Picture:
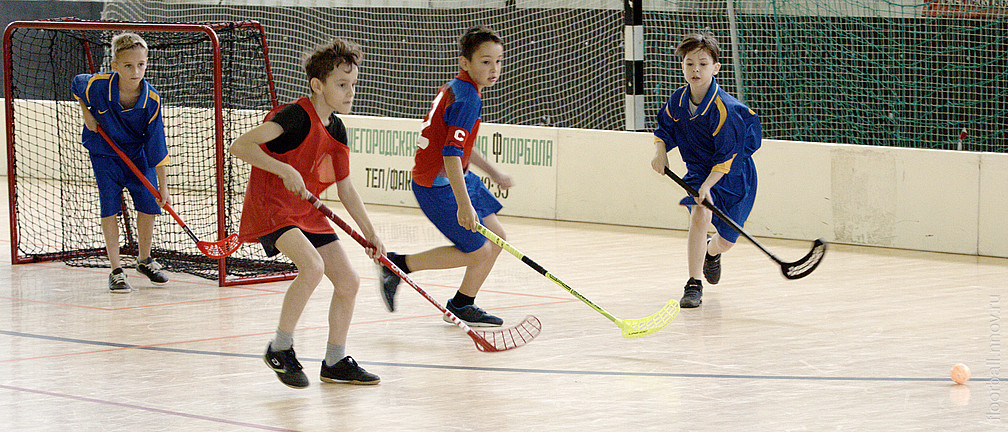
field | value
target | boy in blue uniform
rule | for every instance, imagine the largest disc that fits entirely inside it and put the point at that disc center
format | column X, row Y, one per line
column 451, row 196
column 716, row 135
column 129, row 110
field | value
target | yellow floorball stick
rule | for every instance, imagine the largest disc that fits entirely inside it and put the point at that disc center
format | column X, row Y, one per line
column 633, row 328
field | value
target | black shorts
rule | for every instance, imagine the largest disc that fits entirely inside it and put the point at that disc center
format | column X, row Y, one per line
column 268, row 241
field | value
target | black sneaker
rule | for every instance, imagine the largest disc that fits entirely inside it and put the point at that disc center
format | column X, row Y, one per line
column 349, row 372
column 152, row 269
column 117, row 282
column 389, row 285
column 691, row 294
column 712, row 268
column 286, row 366
column 473, row 316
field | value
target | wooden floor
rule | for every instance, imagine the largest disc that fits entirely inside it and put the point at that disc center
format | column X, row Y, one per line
column 864, row 344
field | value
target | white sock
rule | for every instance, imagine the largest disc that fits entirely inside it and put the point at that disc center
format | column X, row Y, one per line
column 282, row 341
column 334, row 353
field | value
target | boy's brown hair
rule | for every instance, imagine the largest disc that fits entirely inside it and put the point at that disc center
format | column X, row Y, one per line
column 702, row 39
column 321, row 61
column 474, row 37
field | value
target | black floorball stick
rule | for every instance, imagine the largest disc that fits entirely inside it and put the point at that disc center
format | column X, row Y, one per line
column 791, row 270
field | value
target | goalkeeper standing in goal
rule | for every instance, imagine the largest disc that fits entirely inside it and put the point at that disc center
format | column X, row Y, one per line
column 716, row 135
column 301, row 146
column 451, row 196
column 129, row 110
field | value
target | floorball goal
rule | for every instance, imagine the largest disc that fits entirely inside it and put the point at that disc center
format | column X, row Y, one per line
column 215, row 84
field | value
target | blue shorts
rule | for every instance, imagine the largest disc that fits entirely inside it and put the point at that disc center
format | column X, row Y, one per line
column 734, row 195
column 112, row 175
column 438, row 203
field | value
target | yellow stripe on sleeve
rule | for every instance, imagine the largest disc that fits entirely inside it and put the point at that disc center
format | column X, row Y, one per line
column 723, row 115
column 724, row 167
column 87, row 90
column 157, row 99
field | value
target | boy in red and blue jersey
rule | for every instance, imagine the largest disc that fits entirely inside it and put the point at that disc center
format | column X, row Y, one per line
column 128, row 108
column 716, row 135
column 453, row 198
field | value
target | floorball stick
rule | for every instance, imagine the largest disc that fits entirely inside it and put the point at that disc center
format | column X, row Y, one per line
column 501, row 339
column 633, row 328
column 219, row 249
column 791, row 270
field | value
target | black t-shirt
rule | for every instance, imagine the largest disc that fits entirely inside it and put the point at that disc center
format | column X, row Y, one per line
column 296, row 123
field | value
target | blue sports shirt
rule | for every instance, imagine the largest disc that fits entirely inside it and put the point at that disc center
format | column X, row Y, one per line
column 721, row 130
column 138, row 130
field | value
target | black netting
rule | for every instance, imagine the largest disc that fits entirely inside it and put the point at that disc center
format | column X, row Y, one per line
column 55, row 196
column 563, row 66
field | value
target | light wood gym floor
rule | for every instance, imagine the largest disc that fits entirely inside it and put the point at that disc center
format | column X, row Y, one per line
column 865, row 343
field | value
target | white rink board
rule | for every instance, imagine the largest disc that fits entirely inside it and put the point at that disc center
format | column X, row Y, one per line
column 382, row 151
column 929, row 200
column 993, row 211
column 941, row 201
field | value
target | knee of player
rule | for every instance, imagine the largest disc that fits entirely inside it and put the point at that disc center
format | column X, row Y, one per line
column 488, row 251
column 501, row 233
column 723, row 244
column 345, row 283
column 699, row 222
column 311, row 270
column 702, row 215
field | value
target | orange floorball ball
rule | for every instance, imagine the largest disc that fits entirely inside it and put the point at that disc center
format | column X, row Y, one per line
column 960, row 373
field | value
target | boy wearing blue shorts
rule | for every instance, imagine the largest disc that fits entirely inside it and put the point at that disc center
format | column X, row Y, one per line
column 128, row 108
column 451, row 196
column 716, row 135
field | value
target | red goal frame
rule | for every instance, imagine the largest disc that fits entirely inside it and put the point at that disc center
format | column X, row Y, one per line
column 75, row 24
column 969, row 9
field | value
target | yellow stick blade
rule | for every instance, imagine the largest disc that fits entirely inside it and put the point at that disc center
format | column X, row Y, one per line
column 636, row 328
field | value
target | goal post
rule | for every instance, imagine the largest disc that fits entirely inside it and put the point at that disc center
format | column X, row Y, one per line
column 215, row 83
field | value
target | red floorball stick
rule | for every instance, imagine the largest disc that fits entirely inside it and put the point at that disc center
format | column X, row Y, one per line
column 501, row 339
column 218, row 249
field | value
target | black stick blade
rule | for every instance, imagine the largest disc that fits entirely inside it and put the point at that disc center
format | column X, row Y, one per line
column 809, row 262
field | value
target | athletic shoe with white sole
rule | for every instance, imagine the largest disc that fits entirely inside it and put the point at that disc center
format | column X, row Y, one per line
column 473, row 316
column 388, row 285
column 152, row 269
column 117, row 282
column 691, row 294
column 347, row 371
column 712, row 268
column 286, row 366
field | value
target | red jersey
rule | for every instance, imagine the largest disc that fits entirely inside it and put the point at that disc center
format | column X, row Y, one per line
column 449, row 129
column 320, row 159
